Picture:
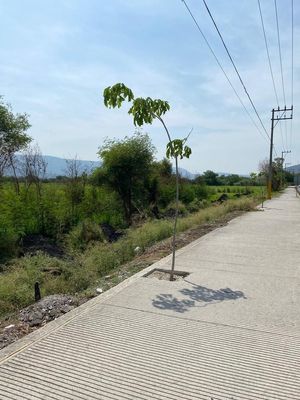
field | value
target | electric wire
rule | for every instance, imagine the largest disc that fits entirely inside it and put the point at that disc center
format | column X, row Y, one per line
column 292, row 71
column 270, row 66
column 222, row 69
column 279, row 49
column 235, row 68
column 268, row 53
column 281, row 68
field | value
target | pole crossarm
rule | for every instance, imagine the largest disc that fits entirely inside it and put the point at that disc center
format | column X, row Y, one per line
column 283, row 115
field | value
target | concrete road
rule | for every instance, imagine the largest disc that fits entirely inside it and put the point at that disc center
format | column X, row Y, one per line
column 229, row 330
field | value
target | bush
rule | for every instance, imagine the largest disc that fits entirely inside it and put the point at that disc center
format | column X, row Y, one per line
column 8, row 243
column 186, row 193
column 167, row 194
column 171, row 209
column 201, row 192
column 84, row 233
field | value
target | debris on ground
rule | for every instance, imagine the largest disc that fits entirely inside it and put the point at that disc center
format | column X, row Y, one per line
column 35, row 316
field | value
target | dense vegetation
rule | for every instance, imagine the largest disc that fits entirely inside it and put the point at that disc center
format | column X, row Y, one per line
column 77, row 271
column 55, row 231
column 70, row 211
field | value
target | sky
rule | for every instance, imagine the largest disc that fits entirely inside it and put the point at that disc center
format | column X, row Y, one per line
column 56, row 57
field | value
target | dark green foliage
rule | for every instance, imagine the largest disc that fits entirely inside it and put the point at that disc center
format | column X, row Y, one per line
column 280, row 177
column 83, row 234
column 211, row 178
column 13, row 129
column 187, row 193
column 115, row 95
column 13, row 136
column 201, row 191
column 126, row 170
column 176, row 148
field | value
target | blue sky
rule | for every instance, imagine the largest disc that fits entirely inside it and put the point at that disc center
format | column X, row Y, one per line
column 57, row 57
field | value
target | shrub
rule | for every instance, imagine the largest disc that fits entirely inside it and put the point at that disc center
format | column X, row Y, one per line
column 85, row 232
column 201, row 192
column 186, row 194
column 8, row 243
column 171, row 209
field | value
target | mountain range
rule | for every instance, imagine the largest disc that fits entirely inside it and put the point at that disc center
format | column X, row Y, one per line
column 57, row 166
column 294, row 169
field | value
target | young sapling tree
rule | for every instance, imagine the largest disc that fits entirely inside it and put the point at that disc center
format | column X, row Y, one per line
column 145, row 111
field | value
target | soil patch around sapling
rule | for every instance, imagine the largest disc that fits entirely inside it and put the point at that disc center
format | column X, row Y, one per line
column 164, row 275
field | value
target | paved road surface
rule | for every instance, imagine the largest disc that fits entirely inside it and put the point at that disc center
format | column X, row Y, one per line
column 230, row 330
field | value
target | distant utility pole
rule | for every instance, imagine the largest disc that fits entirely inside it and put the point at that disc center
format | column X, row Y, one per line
column 278, row 118
column 282, row 161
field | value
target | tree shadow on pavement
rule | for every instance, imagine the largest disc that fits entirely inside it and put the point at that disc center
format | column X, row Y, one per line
column 195, row 296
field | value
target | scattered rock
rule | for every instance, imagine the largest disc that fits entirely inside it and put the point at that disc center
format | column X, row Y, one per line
column 47, row 309
column 137, row 250
column 9, row 328
column 99, row 290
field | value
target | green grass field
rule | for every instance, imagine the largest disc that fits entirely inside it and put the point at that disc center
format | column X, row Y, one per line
column 82, row 270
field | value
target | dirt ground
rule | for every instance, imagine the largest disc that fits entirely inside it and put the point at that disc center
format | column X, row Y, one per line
column 16, row 326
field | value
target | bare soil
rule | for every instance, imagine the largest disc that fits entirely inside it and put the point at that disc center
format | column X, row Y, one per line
column 31, row 244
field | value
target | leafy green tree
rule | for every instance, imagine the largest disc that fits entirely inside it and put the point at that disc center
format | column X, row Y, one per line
column 211, row 178
column 13, row 137
column 163, row 168
column 126, row 168
column 277, row 172
column 145, row 111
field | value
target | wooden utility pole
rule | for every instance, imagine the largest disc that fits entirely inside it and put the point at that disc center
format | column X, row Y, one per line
column 271, row 158
column 277, row 119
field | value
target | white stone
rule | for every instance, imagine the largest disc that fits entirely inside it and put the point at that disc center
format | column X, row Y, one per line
column 99, row 290
column 9, row 327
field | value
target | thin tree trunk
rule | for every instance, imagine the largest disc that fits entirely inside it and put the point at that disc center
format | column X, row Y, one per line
column 175, row 221
column 17, row 186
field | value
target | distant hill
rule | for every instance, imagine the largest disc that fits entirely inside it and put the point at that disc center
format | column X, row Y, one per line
column 185, row 173
column 57, row 166
column 294, row 169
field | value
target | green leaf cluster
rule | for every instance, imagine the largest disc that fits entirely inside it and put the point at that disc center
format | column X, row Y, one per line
column 13, row 129
column 144, row 111
column 115, row 95
column 176, row 148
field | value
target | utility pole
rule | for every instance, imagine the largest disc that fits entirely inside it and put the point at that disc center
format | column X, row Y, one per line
column 277, row 119
column 282, row 158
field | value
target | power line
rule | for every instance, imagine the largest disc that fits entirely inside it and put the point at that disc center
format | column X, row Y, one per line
column 292, row 80
column 236, row 70
column 222, row 69
column 268, row 54
column 270, row 66
column 279, row 48
column 292, row 83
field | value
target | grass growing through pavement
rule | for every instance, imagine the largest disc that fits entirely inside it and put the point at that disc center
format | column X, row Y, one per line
column 84, row 270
